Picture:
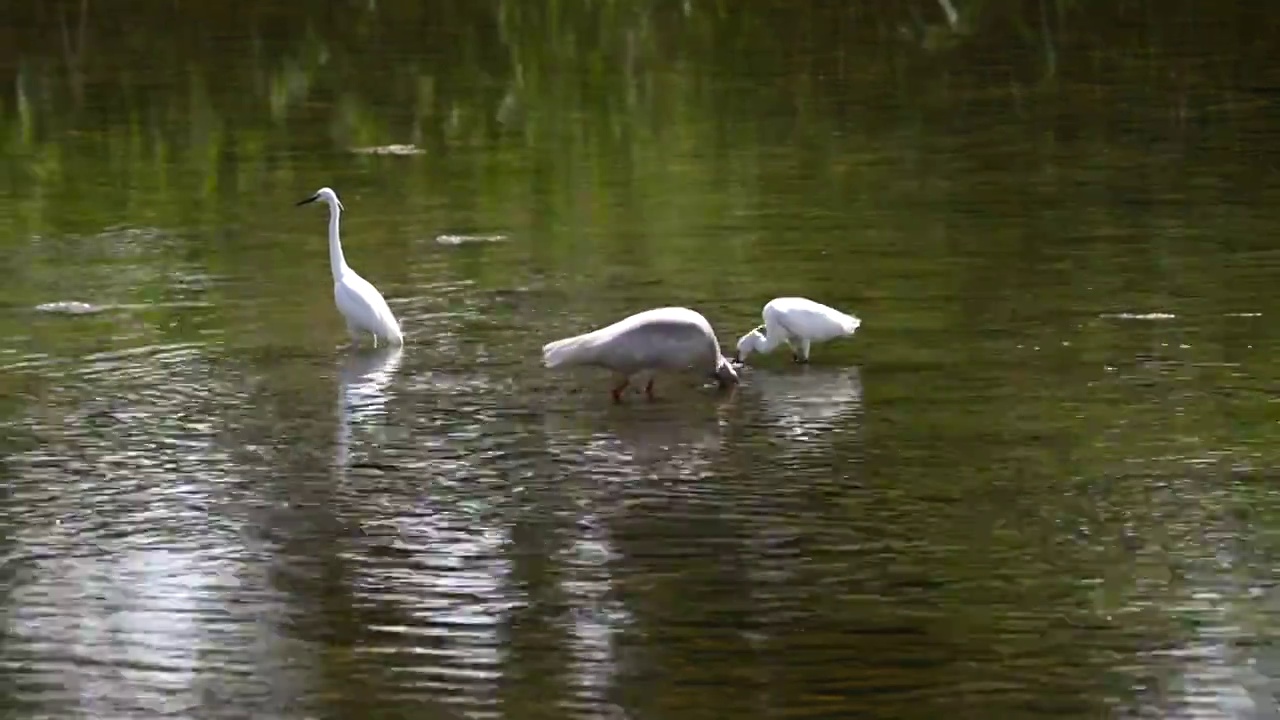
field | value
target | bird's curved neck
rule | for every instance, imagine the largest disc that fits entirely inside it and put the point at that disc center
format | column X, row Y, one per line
column 337, row 262
column 765, row 343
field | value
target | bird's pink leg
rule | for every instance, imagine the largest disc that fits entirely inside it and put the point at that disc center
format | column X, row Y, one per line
column 617, row 390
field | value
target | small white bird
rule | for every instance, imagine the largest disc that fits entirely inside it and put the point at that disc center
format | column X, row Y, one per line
column 798, row 322
column 359, row 301
column 670, row 339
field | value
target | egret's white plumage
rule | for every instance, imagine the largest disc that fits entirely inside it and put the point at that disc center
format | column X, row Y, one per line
column 671, row 339
column 360, row 303
column 798, row 322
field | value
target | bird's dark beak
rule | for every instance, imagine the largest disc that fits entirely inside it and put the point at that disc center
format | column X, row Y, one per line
column 308, row 200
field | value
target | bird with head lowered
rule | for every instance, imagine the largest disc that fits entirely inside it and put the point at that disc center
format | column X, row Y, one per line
column 667, row 339
column 798, row 322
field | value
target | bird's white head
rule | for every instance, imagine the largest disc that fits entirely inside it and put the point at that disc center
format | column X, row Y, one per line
column 749, row 343
column 325, row 195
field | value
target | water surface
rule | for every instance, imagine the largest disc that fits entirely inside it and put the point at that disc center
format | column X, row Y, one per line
column 1038, row 483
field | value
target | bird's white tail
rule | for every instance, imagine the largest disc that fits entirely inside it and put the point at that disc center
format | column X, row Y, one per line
column 568, row 351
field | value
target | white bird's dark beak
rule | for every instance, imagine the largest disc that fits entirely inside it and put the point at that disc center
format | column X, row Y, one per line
column 308, row 200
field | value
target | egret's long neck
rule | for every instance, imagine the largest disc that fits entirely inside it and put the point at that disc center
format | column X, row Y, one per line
column 337, row 262
column 766, row 343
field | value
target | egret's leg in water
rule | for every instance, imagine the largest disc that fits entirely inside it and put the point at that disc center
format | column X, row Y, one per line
column 617, row 390
column 795, row 350
column 648, row 389
column 375, row 339
column 802, row 354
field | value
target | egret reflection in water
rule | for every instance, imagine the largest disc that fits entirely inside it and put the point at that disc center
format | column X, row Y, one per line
column 362, row 398
column 670, row 438
column 803, row 403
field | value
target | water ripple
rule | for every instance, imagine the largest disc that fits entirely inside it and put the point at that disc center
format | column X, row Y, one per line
column 444, row 575
column 130, row 582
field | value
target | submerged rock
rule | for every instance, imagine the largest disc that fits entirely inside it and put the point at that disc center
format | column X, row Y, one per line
column 389, row 150
column 69, row 307
column 463, row 239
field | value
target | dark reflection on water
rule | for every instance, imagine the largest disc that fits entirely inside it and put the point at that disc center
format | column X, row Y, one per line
column 195, row 530
column 168, row 553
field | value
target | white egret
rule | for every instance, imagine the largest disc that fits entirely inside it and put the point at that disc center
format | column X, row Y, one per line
column 669, row 339
column 360, row 303
column 798, row 322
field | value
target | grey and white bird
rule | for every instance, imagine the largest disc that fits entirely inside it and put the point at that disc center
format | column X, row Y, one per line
column 669, row 339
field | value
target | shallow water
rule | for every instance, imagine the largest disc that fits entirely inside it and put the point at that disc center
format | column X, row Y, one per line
column 1037, row 483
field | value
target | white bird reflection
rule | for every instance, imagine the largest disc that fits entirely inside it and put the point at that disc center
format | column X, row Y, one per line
column 437, row 564
column 596, row 618
column 362, row 396
column 616, row 463
column 807, row 402
column 670, row 439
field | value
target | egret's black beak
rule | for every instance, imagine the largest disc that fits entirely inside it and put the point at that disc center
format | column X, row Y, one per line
column 311, row 199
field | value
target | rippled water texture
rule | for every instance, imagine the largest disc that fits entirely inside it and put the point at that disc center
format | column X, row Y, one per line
column 1038, row 482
